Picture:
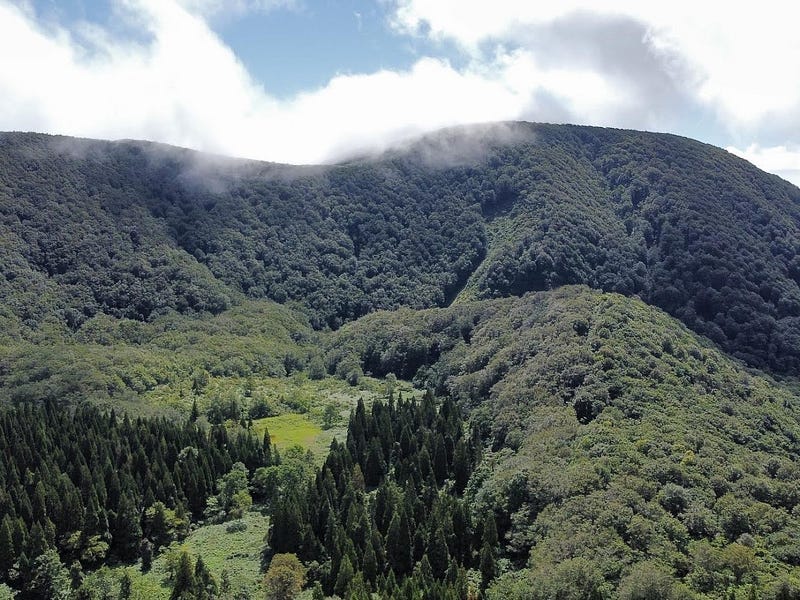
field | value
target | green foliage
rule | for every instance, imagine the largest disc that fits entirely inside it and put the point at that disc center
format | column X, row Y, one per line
column 233, row 498
column 611, row 450
column 184, row 580
column 572, row 579
column 232, row 558
column 49, row 577
column 649, row 582
column 174, row 359
column 330, row 416
column 377, row 509
column 604, row 442
column 136, row 231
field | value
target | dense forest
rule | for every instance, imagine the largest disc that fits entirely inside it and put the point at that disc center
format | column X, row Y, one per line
column 84, row 488
column 597, row 333
column 385, row 513
column 622, row 452
column 136, row 230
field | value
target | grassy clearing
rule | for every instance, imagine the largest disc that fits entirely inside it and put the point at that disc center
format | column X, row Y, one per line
column 306, row 429
column 237, row 552
column 289, row 430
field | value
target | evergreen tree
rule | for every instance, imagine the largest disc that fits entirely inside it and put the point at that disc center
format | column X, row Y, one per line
column 37, row 544
column 266, row 446
column 370, row 563
column 461, row 470
column 358, row 589
column 440, row 468
column 195, row 412
column 344, row 577
column 488, row 564
column 185, row 583
column 489, row 537
column 438, row 554
column 146, row 554
column 286, row 525
column 206, row 585
column 7, row 552
column 125, row 586
column 398, row 544
column 375, row 466
column 127, row 534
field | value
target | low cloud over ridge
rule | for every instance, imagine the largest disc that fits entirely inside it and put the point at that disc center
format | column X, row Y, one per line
column 727, row 75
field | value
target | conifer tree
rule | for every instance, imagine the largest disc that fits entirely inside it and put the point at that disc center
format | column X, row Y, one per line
column 125, row 586
column 266, row 446
column 7, row 551
column 438, row 554
column 195, row 412
column 286, row 529
column 370, row 563
column 127, row 533
column 461, row 470
column 146, row 554
column 37, row 543
column 488, row 565
column 185, row 583
column 440, row 468
column 375, row 466
column 205, row 584
column 398, row 544
column 344, row 577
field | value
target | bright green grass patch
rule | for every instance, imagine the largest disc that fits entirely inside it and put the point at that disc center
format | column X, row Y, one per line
column 289, row 430
column 306, row 430
column 237, row 552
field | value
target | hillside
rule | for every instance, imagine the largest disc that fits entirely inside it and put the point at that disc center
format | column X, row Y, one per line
column 622, row 447
column 135, row 230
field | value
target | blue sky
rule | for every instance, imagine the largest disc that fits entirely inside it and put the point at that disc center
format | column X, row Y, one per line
column 316, row 80
column 289, row 47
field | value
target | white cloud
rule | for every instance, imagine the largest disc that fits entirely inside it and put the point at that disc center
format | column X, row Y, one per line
column 745, row 55
column 184, row 86
column 733, row 71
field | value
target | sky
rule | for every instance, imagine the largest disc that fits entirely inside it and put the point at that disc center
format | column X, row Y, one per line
column 310, row 81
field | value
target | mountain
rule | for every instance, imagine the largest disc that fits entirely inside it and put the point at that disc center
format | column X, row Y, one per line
column 607, row 324
column 135, row 230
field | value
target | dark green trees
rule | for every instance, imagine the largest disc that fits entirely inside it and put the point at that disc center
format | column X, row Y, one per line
column 95, row 487
column 401, row 527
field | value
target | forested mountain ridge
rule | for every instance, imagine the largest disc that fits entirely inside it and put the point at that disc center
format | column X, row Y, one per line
column 601, row 207
column 135, row 230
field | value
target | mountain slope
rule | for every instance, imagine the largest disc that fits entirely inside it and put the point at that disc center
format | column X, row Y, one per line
column 618, row 438
column 135, row 230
